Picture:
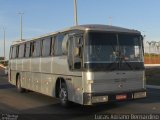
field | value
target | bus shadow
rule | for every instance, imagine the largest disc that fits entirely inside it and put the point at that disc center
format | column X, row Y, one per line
column 153, row 96
column 6, row 86
column 73, row 112
column 149, row 99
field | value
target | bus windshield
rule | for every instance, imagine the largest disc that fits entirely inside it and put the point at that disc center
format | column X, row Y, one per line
column 111, row 47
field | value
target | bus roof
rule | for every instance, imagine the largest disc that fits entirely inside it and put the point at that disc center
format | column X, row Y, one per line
column 94, row 27
column 109, row 28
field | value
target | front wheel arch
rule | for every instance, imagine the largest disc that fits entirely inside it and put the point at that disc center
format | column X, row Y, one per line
column 61, row 88
column 57, row 86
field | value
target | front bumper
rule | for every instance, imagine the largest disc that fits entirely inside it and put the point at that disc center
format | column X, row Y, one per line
column 93, row 98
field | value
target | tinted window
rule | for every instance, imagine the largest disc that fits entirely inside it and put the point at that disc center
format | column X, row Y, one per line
column 99, row 38
column 58, row 44
column 52, row 46
column 36, row 49
column 129, row 40
column 14, row 52
column 27, row 54
column 21, row 51
column 17, row 51
column 46, row 47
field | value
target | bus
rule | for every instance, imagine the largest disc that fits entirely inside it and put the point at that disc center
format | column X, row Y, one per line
column 84, row 64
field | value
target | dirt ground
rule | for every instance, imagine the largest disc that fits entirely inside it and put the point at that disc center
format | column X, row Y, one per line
column 153, row 76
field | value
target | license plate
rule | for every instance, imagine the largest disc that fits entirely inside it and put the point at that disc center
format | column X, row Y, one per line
column 121, row 97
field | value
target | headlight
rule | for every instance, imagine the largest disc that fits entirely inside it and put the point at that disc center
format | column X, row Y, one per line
column 139, row 95
column 90, row 81
column 97, row 99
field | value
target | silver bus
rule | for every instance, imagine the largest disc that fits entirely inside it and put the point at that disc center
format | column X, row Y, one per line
column 85, row 64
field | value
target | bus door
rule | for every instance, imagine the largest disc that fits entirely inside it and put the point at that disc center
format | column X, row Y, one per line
column 75, row 44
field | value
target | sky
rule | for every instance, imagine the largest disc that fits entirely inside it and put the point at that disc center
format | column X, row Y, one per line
column 45, row 16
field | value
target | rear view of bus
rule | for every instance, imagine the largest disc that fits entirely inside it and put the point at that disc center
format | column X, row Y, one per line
column 114, row 66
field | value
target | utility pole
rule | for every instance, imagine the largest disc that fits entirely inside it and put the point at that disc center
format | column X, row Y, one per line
column 21, row 30
column 4, row 38
column 75, row 13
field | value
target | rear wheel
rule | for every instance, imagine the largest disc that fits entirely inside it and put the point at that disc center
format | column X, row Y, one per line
column 19, row 88
column 63, row 95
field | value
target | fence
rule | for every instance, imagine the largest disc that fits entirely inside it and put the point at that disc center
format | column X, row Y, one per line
column 152, row 52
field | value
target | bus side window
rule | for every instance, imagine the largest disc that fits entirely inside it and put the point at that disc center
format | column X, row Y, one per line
column 21, row 51
column 27, row 50
column 53, row 45
column 17, row 51
column 46, row 47
column 31, row 49
column 14, row 52
column 58, row 45
column 35, row 48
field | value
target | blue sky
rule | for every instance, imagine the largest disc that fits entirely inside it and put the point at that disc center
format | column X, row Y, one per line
column 45, row 16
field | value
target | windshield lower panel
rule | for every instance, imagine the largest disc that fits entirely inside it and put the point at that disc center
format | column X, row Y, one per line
column 114, row 51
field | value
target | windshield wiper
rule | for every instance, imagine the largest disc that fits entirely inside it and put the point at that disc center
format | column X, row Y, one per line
column 110, row 65
column 123, row 59
column 115, row 62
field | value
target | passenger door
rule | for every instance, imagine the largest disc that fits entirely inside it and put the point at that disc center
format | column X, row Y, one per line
column 75, row 52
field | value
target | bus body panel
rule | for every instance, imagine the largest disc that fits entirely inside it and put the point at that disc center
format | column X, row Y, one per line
column 13, row 64
column 43, row 80
column 117, row 81
column 19, row 64
column 13, row 77
column 35, row 65
column 46, row 65
column 27, row 65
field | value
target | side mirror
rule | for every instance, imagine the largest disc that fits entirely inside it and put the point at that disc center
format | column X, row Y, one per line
column 76, row 52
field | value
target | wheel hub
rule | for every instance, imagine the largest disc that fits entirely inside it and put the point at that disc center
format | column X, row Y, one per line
column 63, row 94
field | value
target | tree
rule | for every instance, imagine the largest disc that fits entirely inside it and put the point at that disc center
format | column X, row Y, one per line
column 1, row 58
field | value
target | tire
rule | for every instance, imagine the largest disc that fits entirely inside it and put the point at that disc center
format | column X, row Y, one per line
column 63, row 95
column 19, row 88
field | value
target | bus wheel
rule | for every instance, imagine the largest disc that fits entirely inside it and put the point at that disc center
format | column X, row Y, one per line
column 63, row 95
column 19, row 88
